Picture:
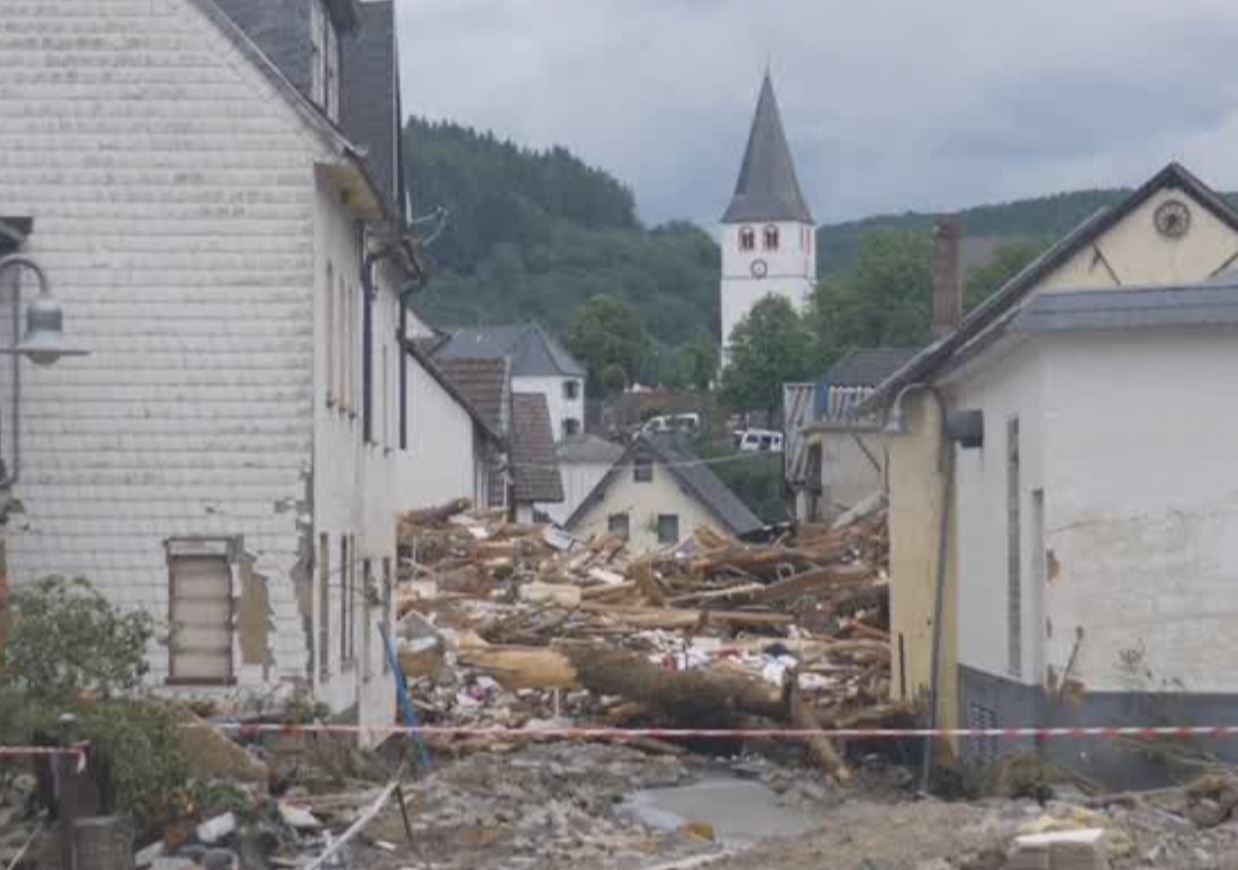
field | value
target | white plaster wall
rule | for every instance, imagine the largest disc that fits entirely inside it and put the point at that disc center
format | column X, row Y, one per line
column 1134, row 252
column 172, row 190
column 1143, row 509
column 1010, row 386
column 561, row 408
column 791, row 270
column 440, row 464
column 579, row 479
column 643, row 502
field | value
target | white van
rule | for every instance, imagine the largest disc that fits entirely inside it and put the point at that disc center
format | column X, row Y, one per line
column 758, row 441
column 689, row 423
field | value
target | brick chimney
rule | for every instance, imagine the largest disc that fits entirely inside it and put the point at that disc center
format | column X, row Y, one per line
column 947, row 287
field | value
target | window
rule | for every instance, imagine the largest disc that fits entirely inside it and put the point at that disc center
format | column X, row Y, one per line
column 571, row 389
column 331, row 337
column 668, row 528
column 343, row 357
column 324, row 78
column 617, row 525
column 324, row 607
column 771, row 238
column 387, row 589
column 346, row 592
column 386, row 400
column 200, row 613
column 642, row 471
column 404, row 377
column 747, row 239
column 367, row 366
column 571, row 426
column 1014, row 553
column 367, row 600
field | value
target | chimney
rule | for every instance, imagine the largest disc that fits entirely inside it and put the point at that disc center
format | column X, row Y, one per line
column 947, row 288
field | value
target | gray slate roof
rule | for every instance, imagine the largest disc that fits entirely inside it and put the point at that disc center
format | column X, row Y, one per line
column 1140, row 308
column 281, row 30
column 369, row 92
column 1000, row 305
column 535, row 471
column 868, row 366
column 588, row 448
column 767, row 189
column 532, row 350
column 484, row 383
column 693, row 475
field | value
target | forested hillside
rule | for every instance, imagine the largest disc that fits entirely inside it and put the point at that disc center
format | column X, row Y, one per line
column 535, row 234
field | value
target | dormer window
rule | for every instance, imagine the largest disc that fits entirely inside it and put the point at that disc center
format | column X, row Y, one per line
column 325, row 76
column 771, row 238
column 747, row 239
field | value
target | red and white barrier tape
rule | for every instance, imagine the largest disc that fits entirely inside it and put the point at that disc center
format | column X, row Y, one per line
column 1144, row 731
column 45, row 752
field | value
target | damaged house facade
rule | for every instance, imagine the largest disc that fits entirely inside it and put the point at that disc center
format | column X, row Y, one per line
column 1062, row 513
column 214, row 188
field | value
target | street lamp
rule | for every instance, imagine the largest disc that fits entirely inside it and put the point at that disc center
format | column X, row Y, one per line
column 44, row 342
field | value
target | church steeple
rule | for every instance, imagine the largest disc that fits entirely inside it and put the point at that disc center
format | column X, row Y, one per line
column 767, row 189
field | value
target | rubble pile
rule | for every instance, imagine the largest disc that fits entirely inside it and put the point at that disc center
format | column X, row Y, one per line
column 503, row 624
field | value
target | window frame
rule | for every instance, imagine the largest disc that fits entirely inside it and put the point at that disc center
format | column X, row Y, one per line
column 225, row 549
column 671, row 518
column 770, row 237
column 747, row 238
column 614, row 519
column 642, row 469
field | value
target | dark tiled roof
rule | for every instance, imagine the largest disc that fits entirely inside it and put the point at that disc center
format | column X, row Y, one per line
column 369, row 102
column 937, row 354
column 531, row 349
column 695, row 477
column 535, row 471
column 281, row 30
column 1141, row 308
column 483, row 382
column 867, row 367
column 767, row 189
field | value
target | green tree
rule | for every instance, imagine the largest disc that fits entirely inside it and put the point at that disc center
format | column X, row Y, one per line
column 606, row 332
column 884, row 299
column 984, row 280
column 770, row 346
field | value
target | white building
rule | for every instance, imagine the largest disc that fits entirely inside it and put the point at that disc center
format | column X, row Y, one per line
column 233, row 454
column 538, row 364
column 767, row 234
column 583, row 462
column 656, row 494
column 1090, row 550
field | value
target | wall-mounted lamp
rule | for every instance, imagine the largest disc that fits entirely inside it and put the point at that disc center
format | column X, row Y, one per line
column 44, row 341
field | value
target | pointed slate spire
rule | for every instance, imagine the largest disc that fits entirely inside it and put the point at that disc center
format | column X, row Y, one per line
column 767, row 189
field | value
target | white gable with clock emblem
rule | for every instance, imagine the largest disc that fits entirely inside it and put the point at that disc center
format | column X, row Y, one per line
column 1173, row 230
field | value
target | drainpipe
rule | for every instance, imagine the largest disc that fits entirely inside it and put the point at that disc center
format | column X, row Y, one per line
column 896, row 425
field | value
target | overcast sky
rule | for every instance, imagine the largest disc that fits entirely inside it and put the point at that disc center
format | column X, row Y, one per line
column 889, row 105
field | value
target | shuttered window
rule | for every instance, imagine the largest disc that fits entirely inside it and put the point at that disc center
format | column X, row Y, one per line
column 200, row 641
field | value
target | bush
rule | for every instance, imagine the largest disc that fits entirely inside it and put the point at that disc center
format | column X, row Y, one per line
column 71, row 651
column 67, row 639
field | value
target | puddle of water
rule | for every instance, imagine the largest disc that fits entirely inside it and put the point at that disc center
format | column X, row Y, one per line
column 740, row 811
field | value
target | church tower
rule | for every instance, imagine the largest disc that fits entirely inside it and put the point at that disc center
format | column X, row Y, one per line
column 768, row 236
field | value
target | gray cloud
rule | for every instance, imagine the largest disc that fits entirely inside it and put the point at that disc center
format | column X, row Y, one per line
column 889, row 104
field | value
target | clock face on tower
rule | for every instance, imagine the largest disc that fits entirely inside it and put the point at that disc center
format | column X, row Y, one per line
column 759, row 268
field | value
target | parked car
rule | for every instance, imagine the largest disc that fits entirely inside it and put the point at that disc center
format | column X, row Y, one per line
column 758, row 441
column 689, row 423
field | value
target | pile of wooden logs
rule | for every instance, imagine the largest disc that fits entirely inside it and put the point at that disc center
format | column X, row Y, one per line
column 710, row 633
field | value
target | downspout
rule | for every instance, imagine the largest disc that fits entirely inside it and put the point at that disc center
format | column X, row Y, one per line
column 946, row 466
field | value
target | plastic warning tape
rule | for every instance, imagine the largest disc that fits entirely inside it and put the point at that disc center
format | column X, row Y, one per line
column 45, row 752
column 1140, row 731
